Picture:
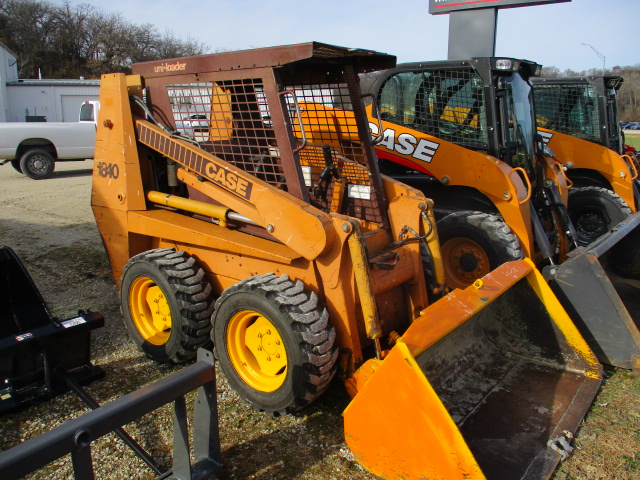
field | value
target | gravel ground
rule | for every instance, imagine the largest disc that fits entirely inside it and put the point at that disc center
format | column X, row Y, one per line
column 50, row 225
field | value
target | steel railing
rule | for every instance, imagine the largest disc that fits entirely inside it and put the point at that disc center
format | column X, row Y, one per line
column 75, row 436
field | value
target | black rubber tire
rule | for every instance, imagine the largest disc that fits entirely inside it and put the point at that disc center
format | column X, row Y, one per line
column 37, row 163
column 594, row 211
column 189, row 297
column 303, row 325
column 15, row 163
column 487, row 234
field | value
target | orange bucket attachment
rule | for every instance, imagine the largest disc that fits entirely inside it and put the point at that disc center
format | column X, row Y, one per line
column 489, row 382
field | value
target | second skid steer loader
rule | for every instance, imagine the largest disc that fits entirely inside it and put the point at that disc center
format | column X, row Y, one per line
column 464, row 133
column 308, row 262
column 577, row 118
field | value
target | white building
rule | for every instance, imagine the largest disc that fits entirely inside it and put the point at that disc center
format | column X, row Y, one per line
column 40, row 100
column 8, row 73
column 48, row 100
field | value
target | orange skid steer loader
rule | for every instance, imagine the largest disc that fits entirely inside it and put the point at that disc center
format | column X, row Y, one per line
column 577, row 118
column 300, row 262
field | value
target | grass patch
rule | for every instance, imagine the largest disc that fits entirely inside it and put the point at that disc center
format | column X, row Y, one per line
column 632, row 139
column 608, row 442
column 631, row 464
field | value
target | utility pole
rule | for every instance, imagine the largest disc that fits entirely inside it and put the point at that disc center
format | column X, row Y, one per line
column 602, row 57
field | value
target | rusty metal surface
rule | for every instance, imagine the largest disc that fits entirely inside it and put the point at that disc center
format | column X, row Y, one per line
column 253, row 117
column 312, row 54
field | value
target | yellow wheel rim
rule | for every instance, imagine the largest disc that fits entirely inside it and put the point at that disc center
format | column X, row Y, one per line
column 464, row 262
column 256, row 351
column 150, row 311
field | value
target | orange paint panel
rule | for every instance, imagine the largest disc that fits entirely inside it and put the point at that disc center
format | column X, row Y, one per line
column 588, row 155
column 398, row 428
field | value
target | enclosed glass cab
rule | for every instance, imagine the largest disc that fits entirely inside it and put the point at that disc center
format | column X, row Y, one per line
column 584, row 107
column 484, row 104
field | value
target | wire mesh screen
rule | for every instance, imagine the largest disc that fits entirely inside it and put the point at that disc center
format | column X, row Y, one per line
column 332, row 157
column 570, row 109
column 448, row 104
column 232, row 120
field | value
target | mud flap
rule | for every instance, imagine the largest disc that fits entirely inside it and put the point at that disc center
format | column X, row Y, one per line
column 599, row 286
column 489, row 382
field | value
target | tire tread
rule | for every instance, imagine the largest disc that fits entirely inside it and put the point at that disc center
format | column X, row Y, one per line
column 192, row 292
column 310, row 324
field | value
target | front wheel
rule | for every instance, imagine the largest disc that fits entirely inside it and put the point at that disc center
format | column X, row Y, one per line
column 167, row 304
column 37, row 164
column 274, row 342
column 473, row 244
column 594, row 211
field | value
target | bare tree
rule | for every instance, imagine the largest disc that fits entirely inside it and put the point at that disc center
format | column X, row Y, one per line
column 63, row 41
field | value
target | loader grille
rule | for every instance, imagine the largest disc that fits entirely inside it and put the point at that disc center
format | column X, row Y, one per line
column 300, row 136
column 448, row 104
column 230, row 119
column 570, row 109
column 328, row 140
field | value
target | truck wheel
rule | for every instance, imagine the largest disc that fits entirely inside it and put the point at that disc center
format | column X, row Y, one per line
column 37, row 164
column 473, row 244
column 594, row 211
column 167, row 304
column 274, row 343
column 15, row 163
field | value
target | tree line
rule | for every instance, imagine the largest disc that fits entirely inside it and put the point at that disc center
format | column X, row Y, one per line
column 71, row 41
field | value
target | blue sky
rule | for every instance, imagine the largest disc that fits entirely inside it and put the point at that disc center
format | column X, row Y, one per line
column 548, row 34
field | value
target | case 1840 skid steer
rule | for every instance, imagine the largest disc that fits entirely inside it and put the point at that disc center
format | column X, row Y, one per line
column 578, row 119
column 300, row 261
column 464, row 133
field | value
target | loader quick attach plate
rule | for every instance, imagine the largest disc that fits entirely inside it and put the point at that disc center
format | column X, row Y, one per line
column 34, row 346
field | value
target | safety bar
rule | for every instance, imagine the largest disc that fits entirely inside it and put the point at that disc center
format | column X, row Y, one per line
column 632, row 167
column 75, row 436
column 299, row 117
column 560, row 169
column 526, row 178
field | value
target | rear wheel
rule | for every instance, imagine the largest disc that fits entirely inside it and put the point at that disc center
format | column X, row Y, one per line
column 274, row 342
column 594, row 211
column 37, row 164
column 167, row 304
column 473, row 244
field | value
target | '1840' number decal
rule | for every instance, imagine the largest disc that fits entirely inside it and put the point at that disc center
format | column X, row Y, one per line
column 110, row 170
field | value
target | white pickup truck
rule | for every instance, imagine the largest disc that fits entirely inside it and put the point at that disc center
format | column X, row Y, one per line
column 33, row 147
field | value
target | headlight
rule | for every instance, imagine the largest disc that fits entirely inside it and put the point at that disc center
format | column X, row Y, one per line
column 505, row 64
